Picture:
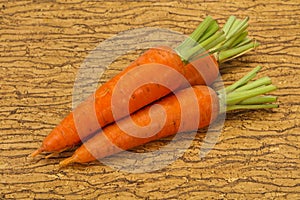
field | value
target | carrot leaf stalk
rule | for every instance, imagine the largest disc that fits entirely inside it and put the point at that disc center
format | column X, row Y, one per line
column 244, row 94
column 208, row 24
column 259, row 100
column 225, row 44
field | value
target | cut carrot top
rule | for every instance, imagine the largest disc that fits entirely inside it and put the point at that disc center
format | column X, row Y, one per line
column 225, row 44
column 244, row 94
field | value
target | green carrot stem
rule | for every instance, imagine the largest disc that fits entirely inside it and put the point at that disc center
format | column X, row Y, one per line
column 214, row 27
column 238, row 27
column 236, row 97
column 228, row 24
column 244, row 42
column 258, row 100
column 196, row 35
column 236, row 38
column 202, row 27
column 235, row 23
column 203, row 46
column 239, row 39
column 243, row 80
column 247, row 95
column 262, row 81
column 236, row 52
column 224, row 45
column 254, row 107
column 214, row 40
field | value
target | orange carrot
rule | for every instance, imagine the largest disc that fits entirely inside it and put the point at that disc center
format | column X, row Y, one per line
column 202, row 70
column 113, row 139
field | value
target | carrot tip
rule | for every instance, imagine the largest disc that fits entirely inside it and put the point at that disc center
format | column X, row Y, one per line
column 37, row 152
column 51, row 155
column 56, row 153
column 67, row 161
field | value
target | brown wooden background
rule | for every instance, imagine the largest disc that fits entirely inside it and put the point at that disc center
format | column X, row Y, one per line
column 43, row 43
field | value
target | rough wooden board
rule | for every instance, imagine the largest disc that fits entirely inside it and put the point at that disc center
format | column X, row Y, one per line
column 42, row 46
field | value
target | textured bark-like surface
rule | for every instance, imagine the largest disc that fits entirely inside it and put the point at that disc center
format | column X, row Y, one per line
column 42, row 45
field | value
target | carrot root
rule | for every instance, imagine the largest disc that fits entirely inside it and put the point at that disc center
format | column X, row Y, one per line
column 56, row 153
column 67, row 162
column 52, row 155
column 36, row 152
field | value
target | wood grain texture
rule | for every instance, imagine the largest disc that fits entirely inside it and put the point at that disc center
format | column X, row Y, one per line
column 42, row 45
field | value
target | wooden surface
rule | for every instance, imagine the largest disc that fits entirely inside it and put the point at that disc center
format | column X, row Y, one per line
column 42, row 45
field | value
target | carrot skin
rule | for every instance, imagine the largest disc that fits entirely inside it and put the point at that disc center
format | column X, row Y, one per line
column 113, row 140
column 202, row 71
column 96, row 111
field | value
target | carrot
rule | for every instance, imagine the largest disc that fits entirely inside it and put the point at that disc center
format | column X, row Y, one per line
column 241, row 95
column 196, row 59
